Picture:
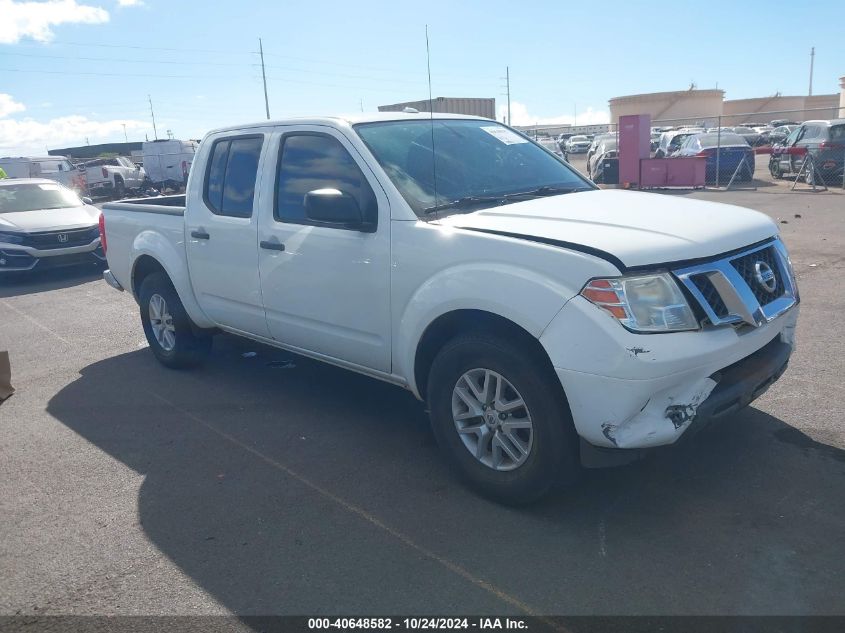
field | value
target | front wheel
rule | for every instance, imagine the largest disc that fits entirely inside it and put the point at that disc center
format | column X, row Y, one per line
column 501, row 419
column 168, row 328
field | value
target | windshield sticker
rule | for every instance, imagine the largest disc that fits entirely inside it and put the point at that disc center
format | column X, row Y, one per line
column 49, row 187
column 506, row 136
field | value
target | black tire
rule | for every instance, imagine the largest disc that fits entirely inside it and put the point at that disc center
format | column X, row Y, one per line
column 553, row 455
column 191, row 346
column 119, row 189
column 774, row 169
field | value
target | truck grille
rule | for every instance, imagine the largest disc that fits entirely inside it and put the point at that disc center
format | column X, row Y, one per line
column 745, row 267
column 711, row 295
column 753, row 286
column 62, row 239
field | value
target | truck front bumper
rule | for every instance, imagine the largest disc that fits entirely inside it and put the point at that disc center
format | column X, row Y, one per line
column 634, row 391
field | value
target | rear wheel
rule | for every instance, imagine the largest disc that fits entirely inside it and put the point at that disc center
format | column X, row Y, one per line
column 172, row 336
column 500, row 417
column 774, row 169
column 810, row 172
column 119, row 189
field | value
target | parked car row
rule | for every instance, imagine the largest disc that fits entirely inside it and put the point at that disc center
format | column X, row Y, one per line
column 166, row 164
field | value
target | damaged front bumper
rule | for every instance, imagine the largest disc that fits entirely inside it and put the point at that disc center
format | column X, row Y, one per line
column 733, row 388
column 630, row 391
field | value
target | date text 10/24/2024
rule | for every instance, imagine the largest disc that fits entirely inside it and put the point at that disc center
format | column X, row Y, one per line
column 417, row 623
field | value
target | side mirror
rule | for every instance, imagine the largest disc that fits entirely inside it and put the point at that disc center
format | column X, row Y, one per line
column 332, row 206
column 87, row 200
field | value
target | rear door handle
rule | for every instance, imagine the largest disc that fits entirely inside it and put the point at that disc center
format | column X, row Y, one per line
column 271, row 246
column 200, row 235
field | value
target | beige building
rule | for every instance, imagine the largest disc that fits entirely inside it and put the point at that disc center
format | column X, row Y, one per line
column 690, row 107
column 677, row 108
column 484, row 107
column 797, row 108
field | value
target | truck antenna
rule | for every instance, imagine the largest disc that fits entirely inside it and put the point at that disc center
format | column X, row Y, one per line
column 264, row 78
column 153, row 115
column 431, row 116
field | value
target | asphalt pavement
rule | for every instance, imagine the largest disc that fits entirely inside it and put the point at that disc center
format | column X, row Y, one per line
column 252, row 486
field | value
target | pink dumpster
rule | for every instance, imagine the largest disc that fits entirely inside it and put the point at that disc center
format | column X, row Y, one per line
column 673, row 172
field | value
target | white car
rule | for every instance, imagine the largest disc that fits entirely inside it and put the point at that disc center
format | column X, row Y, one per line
column 546, row 323
column 578, row 144
column 45, row 225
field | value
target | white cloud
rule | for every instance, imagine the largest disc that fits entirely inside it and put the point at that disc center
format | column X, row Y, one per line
column 35, row 20
column 25, row 136
column 9, row 106
column 521, row 116
column 130, row 3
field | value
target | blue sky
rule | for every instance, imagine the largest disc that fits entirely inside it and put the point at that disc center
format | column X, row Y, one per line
column 77, row 69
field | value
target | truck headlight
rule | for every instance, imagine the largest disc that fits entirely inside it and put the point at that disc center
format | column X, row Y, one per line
column 11, row 238
column 643, row 303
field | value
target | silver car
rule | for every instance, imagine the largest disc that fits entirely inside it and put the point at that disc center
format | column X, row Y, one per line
column 43, row 224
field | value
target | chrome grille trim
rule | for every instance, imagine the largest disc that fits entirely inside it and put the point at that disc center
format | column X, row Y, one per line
column 737, row 296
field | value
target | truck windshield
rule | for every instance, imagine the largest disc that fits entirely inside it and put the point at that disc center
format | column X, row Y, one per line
column 475, row 164
column 36, row 196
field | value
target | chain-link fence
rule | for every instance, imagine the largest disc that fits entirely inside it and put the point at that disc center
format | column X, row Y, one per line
column 805, row 147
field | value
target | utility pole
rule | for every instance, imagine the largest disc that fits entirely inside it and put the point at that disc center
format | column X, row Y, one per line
column 574, row 115
column 508, row 82
column 153, row 115
column 264, row 78
column 125, row 138
column 812, row 59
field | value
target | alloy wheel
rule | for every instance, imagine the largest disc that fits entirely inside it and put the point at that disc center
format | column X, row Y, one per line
column 161, row 322
column 492, row 419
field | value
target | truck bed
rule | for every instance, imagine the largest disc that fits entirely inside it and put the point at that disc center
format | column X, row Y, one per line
column 153, row 226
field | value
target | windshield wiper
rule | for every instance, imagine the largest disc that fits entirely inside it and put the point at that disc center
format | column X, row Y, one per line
column 545, row 190
column 468, row 201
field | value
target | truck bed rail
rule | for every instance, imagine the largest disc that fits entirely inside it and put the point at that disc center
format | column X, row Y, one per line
column 163, row 205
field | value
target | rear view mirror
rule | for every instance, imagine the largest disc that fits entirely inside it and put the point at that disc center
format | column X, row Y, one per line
column 87, row 200
column 332, row 206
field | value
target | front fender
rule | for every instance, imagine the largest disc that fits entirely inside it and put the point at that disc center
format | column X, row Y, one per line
column 512, row 292
column 174, row 262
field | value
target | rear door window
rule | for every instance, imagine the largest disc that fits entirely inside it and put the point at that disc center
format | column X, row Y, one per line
column 232, row 172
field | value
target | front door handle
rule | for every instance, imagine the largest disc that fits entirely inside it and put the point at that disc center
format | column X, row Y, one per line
column 271, row 246
column 200, row 234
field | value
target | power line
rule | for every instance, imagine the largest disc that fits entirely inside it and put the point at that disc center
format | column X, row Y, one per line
column 101, row 74
column 124, row 60
column 394, row 70
column 228, row 51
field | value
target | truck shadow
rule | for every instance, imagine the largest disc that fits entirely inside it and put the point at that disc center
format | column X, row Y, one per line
column 19, row 284
column 283, row 486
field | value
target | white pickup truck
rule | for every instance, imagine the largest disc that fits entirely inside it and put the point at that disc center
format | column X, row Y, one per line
column 546, row 323
column 113, row 176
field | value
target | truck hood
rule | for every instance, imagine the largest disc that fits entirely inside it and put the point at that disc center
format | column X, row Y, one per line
column 635, row 228
column 50, row 219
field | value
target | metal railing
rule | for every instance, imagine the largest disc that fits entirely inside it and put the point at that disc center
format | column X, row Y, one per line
column 806, row 167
